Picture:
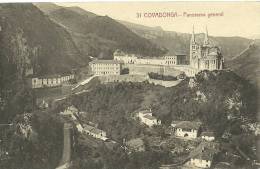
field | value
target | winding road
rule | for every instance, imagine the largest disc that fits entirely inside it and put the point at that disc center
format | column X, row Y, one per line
column 66, row 155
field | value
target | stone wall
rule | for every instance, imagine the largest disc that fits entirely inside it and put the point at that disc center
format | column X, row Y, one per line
column 136, row 78
column 123, row 78
column 164, row 83
column 144, row 69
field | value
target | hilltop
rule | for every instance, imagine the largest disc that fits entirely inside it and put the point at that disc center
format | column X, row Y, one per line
column 99, row 36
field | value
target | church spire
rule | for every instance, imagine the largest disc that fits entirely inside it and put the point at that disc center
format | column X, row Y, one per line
column 206, row 39
column 193, row 35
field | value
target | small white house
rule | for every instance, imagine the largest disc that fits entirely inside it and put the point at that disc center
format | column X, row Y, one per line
column 208, row 136
column 147, row 118
column 97, row 133
column 187, row 129
column 94, row 132
column 87, row 129
column 201, row 161
column 203, row 155
column 203, row 158
column 70, row 111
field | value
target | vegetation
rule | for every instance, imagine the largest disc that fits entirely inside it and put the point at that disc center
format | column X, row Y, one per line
column 125, row 71
column 38, row 42
column 40, row 148
column 215, row 96
column 161, row 77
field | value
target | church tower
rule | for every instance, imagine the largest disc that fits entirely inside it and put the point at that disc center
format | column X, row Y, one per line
column 194, row 51
column 206, row 39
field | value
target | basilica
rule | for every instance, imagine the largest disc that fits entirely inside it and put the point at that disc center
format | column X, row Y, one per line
column 205, row 56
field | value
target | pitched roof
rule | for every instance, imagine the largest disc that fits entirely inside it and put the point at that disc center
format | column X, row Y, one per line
column 188, row 125
column 205, row 155
column 149, row 117
column 145, row 111
column 205, row 151
column 87, row 127
column 96, row 131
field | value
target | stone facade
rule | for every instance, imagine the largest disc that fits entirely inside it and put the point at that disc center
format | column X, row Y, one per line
column 106, row 67
column 186, row 129
column 123, row 78
column 49, row 81
column 202, row 163
column 205, row 56
column 178, row 59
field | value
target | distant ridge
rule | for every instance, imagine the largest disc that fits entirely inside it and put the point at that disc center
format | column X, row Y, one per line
column 100, row 36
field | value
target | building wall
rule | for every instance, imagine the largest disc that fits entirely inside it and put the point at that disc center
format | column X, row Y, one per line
column 129, row 59
column 208, row 138
column 200, row 163
column 149, row 122
column 188, row 134
column 150, row 61
column 106, row 68
column 49, row 82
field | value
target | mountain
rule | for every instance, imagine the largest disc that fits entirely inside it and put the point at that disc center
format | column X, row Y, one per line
column 179, row 42
column 246, row 64
column 99, row 36
column 31, row 40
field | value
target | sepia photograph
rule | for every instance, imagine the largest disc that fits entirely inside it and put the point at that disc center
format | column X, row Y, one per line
column 130, row 85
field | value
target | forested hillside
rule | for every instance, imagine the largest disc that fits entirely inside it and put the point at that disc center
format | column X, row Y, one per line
column 99, row 36
column 30, row 39
column 221, row 100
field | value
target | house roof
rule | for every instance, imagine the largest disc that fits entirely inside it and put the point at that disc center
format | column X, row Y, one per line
column 106, row 61
column 208, row 133
column 150, row 117
column 205, row 151
column 96, row 131
column 205, row 155
column 187, row 125
column 87, row 127
column 145, row 111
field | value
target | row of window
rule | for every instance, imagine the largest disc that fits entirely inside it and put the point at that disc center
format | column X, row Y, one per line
column 106, row 68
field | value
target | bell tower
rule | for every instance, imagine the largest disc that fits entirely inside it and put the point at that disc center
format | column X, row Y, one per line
column 194, row 50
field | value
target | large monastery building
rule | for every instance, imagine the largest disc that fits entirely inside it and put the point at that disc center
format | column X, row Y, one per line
column 202, row 57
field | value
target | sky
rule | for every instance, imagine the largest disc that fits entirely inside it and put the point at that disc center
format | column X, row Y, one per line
column 233, row 18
